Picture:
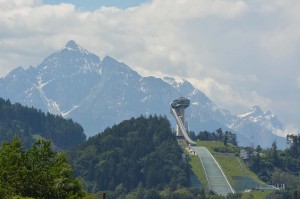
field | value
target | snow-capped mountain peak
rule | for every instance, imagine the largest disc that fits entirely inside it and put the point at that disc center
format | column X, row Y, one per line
column 75, row 83
column 254, row 111
column 73, row 46
column 261, row 126
column 70, row 60
column 255, row 114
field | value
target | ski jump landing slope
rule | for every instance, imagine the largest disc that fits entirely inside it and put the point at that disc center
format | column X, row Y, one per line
column 217, row 180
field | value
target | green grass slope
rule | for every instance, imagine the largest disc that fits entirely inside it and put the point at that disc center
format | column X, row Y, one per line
column 237, row 173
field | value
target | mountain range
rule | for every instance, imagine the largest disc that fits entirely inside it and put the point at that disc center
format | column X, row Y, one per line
column 99, row 93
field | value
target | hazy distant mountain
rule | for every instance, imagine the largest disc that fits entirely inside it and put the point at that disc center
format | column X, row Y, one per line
column 260, row 126
column 98, row 93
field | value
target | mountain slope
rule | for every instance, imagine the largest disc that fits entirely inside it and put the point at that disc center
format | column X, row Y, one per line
column 75, row 83
column 260, row 126
column 30, row 123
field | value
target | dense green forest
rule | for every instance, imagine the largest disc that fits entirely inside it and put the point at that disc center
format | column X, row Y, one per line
column 26, row 122
column 278, row 167
column 140, row 151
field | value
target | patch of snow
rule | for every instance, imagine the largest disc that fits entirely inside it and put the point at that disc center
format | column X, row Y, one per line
column 76, row 49
column 195, row 103
column 255, row 119
column 100, row 71
column 173, row 82
column 52, row 106
column 244, row 115
column 66, row 114
column 195, row 92
column 143, row 88
column 41, row 84
column 214, row 108
column 145, row 99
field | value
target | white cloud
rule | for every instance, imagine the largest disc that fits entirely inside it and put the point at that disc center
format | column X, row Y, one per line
column 298, row 82
column 5, row 4
column 289, row 129
column 181, row 10
column 240, row 50
column 229, row 97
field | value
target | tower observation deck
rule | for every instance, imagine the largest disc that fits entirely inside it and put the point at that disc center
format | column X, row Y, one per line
column 177, row 109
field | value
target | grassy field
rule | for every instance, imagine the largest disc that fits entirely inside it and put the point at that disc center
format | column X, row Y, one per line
column 259, row 194
column 198, row 169
column 233, row 166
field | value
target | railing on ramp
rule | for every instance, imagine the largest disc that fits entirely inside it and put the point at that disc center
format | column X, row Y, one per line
column 182, row 128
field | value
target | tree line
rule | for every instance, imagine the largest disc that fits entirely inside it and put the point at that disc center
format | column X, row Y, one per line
column 218, row 135
column 278, row 167
column 25, row 122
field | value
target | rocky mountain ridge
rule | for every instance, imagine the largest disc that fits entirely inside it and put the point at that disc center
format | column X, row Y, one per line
column 75, row 83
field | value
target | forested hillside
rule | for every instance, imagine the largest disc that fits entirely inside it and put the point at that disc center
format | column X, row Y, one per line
column 25, row 122
column 141, row 151
column 279, row 167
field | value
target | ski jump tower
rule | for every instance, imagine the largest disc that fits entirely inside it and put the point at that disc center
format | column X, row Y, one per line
column 177, row 109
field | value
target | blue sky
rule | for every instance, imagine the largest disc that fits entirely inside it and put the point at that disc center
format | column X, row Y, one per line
column 240, row 53
column 94, row 4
